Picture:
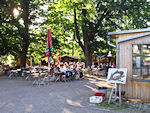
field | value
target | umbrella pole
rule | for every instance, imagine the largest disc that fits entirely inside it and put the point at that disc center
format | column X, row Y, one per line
column 48, row 65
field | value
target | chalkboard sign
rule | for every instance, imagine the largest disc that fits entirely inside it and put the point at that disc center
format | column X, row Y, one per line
column 117, row 75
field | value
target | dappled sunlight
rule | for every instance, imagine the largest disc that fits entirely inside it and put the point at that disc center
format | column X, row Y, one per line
column 91, row 79
column 66, row 111
column 93, row 89
column 73, row 103
column 95, row 77
column 100, row 82
column 29, row 108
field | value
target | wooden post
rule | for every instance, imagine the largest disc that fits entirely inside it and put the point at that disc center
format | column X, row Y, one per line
column 120, row 101
column 31, row 61
column 116, row 91
column 112, row 90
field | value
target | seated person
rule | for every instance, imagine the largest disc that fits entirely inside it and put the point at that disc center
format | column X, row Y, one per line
column 56, row 69
column 81, row 75
column 62, row 69
column 65, row 68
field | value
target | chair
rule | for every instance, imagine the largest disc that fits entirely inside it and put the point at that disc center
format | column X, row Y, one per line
column 68, row 75
column 57, row 77
column 64, row 77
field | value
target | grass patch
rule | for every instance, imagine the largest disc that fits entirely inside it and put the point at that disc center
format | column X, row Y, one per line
column 112, row 106
column 120, row 107
column 144, row 111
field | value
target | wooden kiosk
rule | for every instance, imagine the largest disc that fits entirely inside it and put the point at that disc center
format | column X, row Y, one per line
column 133, row 53
column 103, row 59
column 67, row 58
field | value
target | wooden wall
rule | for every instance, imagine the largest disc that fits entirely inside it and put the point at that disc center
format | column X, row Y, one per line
column 133, row 89
column 69, row 59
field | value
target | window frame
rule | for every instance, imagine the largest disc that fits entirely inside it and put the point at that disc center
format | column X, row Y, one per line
column 141, row 55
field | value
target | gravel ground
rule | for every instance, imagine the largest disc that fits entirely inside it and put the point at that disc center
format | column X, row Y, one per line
column 19, row 96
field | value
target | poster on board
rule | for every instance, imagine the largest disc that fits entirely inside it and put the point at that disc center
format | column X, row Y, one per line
column 117, row 75
column 138, row 62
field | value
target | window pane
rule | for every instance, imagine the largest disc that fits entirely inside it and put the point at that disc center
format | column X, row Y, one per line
column 146, row 61
column 146, row 50
column 144, row 71
column 136, row 49
column 141, row 61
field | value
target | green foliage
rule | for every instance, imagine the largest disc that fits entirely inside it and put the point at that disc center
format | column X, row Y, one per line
column 112, row 106
column 60, row 21
column 102, row 17
column 16, row 33
column 117, row 15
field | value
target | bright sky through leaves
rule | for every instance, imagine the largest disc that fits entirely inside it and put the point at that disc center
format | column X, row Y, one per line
column 16, row 12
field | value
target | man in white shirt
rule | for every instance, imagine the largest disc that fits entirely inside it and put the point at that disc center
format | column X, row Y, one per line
column 62, row 69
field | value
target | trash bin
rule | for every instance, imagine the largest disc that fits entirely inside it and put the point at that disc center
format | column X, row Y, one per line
column 102, row 90
column 101, row 94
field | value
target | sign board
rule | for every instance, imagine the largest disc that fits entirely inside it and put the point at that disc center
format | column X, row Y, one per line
column 117, row 75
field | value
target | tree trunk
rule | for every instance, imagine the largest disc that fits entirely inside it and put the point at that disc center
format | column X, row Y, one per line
column 23, row 57
column 87, row 52
column 25, row 35
column 23, row 60
column 85, row 45
column 24, row 49
column 88, row 57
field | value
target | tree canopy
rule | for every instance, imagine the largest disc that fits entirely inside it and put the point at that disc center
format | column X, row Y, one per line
column 78, row 27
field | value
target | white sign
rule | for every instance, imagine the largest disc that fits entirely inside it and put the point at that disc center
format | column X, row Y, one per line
column 138, row 62
column 117, row 75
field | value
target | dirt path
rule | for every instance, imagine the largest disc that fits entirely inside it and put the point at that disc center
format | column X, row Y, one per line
column 19, row 96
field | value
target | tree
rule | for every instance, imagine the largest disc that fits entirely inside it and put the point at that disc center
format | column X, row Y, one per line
column 86, row 46
column 16, row 33
column 109, row 16
column 58, row 19
column 86, row 22
column 92, row 20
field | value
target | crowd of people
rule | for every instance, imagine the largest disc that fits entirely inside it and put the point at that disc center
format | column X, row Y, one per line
column 71, row 69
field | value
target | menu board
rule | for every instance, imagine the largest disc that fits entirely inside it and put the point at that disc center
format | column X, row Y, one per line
column 117, row 75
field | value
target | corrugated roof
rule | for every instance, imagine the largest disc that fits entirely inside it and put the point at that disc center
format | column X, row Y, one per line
column 129, row 31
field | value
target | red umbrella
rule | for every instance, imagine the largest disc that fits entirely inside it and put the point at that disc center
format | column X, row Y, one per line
column 49, row 46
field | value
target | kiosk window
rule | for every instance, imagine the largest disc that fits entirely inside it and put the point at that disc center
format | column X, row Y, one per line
column 141, row 61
